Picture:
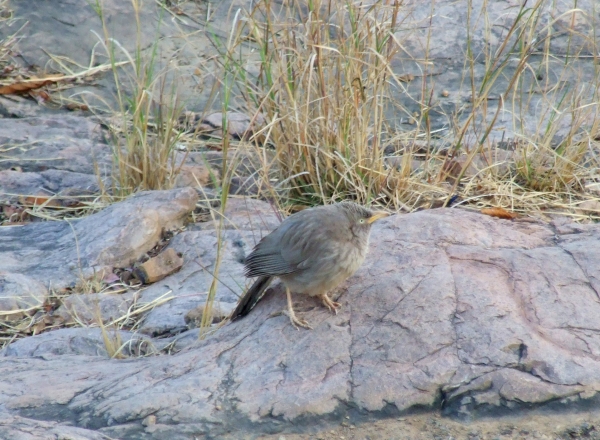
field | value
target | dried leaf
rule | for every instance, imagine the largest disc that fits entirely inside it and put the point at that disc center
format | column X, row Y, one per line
column 28, row 85
column 500, row 213
column 47, row 201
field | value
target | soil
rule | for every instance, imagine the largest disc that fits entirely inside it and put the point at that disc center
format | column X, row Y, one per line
column 548, row 426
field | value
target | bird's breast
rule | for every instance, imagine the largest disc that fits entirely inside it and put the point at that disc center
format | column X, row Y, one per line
column 330, row 269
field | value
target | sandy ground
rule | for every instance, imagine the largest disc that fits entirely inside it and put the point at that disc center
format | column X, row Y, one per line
column 435, row 427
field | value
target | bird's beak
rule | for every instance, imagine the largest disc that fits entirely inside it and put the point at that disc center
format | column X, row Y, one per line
column 376, row 216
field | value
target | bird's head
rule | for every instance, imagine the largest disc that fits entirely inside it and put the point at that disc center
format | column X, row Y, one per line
column 360, row 217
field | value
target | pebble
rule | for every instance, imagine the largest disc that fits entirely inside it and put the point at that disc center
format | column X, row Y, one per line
column 149, row 421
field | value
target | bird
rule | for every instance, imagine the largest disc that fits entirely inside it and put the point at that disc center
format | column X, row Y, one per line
column 311, row 252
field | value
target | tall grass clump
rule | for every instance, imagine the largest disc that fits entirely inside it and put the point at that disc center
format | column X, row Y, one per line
column 326, row 76
column 323, row 82
column 144, row 133
column 555, row 150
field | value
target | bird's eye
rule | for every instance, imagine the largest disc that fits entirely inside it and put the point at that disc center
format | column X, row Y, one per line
column 361, row 221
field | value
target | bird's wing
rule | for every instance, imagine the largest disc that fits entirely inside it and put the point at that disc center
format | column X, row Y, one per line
column 292, row 247
column 267, row 258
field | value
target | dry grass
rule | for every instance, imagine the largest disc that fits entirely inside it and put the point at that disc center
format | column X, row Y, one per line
column 144, row 138
column 24, row 209
column 39, row 317
column 323, row 76
column 322, row 82
column 7, row 43
column 144, row 126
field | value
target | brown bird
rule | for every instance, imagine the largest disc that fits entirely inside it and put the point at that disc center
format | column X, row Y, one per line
column 312, row 252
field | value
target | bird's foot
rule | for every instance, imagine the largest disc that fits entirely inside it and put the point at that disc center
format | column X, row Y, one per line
column 333, row 306
column 295, row 320
column 290, row 312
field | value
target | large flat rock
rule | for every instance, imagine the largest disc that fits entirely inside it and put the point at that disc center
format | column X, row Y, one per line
column 453, row 311
column 58, row 254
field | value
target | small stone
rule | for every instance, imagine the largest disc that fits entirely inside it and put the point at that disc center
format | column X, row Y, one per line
column 218, row 407
column 445, row 93
column 149, row 420
column 159, row 267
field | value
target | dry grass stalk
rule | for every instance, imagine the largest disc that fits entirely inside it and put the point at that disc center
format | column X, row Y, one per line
column 144, row 127
column 323, row 80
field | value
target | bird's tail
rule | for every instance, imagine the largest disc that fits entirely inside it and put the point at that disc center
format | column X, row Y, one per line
column 252, row 296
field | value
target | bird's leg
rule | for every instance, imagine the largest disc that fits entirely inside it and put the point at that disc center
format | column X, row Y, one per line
column 290, row 313
column 331, row 305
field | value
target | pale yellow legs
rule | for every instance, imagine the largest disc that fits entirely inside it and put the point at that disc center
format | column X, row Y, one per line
column 331, row 305
column 290, row 313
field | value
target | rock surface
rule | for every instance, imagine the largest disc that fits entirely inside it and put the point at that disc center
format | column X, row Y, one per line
column 64, row 184
column 452, row 310
column 433, row 37
column 246, row 222
column 62, row 142
column 59, row 254
column 78, row 342
column 90, row 308
column 443, row 32
column 74, row 32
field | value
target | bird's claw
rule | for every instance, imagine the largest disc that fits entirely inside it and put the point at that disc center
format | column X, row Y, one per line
column 333, row 306
column 295, row 321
